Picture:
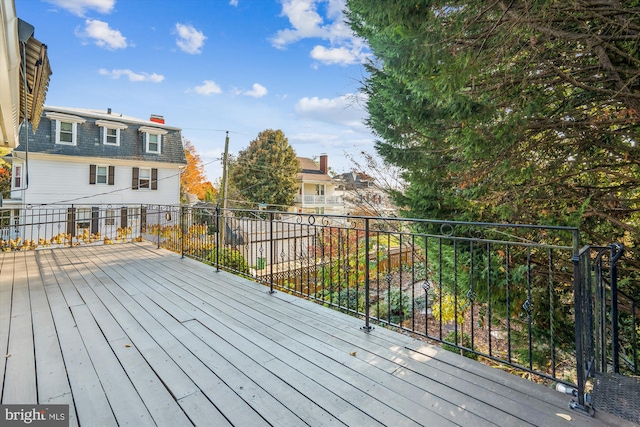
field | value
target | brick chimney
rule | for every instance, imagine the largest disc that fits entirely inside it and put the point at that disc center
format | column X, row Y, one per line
column 324, row 164
column 157, row 119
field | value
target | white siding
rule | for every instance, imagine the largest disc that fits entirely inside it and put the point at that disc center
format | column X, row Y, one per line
column 64, row 181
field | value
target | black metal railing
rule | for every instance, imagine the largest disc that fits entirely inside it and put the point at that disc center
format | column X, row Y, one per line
column 523, row 297
column 607, row 326
column 502, row 292
column 34, row 227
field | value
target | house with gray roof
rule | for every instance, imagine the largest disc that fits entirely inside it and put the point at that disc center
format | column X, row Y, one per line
column 88, row 159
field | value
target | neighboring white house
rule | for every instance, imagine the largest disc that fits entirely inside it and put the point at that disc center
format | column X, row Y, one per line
column 99, row 164
column 316, row 191
column 363, row 196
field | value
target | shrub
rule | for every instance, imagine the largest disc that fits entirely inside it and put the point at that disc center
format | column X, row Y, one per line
column 229, row 258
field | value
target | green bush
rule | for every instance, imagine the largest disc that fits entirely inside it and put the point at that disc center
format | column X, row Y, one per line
column 229, row 258
column 395, row 308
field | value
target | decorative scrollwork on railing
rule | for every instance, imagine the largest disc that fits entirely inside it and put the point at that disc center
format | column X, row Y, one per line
column 388, row 278
column 471, row 295
column 528, row 307
column 426, row 285
column 444, row 231
column 476, row 233
column 325, row 221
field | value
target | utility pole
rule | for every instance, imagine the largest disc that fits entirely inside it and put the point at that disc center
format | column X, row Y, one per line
column 225, row 182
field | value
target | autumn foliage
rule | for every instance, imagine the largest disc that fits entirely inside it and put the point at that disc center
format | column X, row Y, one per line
column 193, row 179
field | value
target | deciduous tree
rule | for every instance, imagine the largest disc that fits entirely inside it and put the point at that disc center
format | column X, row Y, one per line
column 193, row 179
column 5, row 175
column 266, row 171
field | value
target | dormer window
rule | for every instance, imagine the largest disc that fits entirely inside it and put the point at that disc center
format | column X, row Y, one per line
column 153, row 143
column 152, row 139
column 111, row 131
column 66, row 127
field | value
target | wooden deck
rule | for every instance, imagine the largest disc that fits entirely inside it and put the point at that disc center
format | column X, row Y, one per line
column 133, row 335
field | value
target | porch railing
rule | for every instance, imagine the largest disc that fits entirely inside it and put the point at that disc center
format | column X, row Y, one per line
column 523, row 297
column 607, row 333
column 501, row 292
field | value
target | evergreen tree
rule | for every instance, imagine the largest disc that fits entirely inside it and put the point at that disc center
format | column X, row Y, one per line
column 519, row 111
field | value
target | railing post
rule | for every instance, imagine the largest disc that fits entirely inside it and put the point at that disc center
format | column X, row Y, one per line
column 182, row 213
column 271, row 251
column 616, row 253
column 580, row 325
column 367, row 327
column 218, row 237
column 159, row 228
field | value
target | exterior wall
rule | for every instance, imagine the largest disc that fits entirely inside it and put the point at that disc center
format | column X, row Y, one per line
column 65, row 180
column 312, row 202
column 59, row 173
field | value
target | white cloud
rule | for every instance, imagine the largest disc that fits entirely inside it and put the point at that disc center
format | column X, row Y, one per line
column 133, row 77
column 102, row 34
column 345, row 110
column 307, row 22
column 207, row 87
column 258, row 91
column 339, row 55
column 233, row 3
column 304, row 19
column 80, row 7
column 189, row 39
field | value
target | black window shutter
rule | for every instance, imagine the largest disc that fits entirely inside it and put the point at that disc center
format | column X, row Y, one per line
column 112, row 174
column 95, row 217
column 154, row 179
column 143, row 219
column 123, row 217
column 92, row 174
column 134, row 178
column 71, row 221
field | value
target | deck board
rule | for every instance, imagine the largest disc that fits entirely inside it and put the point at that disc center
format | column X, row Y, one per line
column 6, row 289
column 20, row 374
column 134, row 335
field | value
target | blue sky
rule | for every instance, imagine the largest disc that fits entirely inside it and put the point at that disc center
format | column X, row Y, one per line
column 209, row 66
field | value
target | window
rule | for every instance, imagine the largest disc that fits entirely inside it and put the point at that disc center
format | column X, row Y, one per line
column 111, row 136
column 66, row 127
column 319, row 190
column 66, row 133
column 153, row 143
column 153, row 139
column 111, row 131
column 17, row 176
column 110, row 217
column 102, row 174
column 144, row 179
column 83, row 218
